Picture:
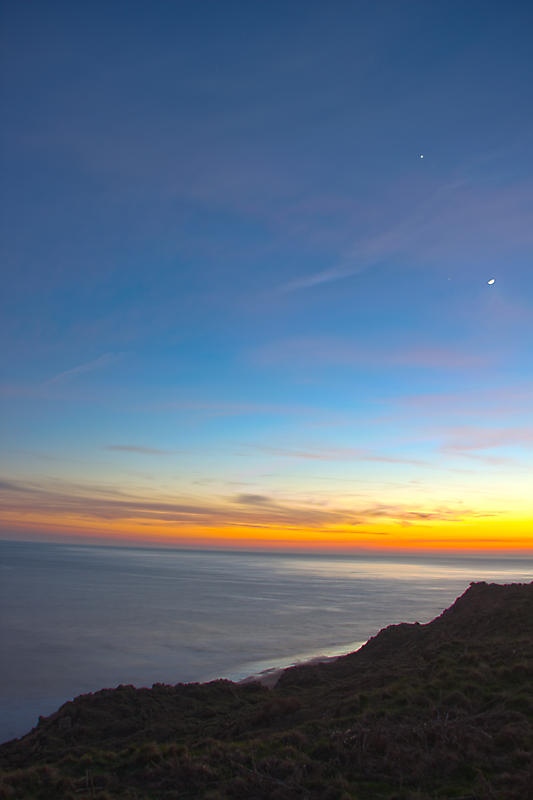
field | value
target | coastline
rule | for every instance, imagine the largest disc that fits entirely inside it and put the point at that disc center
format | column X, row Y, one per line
column 269, row 677
column 268, row 673
column 287, row 611
column 443, row 709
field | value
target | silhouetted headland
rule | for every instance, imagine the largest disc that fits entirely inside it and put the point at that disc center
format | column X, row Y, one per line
column 442, row 710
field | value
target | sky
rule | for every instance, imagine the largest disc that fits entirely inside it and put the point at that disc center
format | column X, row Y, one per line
column 246, row 251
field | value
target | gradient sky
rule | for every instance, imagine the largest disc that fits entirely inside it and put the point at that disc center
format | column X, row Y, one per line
column 238, row 308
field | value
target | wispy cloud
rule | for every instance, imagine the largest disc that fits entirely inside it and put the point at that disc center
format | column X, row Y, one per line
column 338, row 454
column 473, row 438
column 325, row 276
column 75, row 505
column 12, row 486
column 479, row 443
column 325, row 351
column 493, row 461
column 458, row 217
column 253, row 500
column 88, row 366
column 405, row 514
column 494, row 401
column 133, row 448
column 236, row 409
column 366, row 252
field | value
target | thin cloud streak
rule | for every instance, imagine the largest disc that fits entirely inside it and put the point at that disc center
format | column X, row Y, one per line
column 11, row 486
column 323, row 351
column 89, row 366
column 469, row 438
column 133, row 448
column 237, row 409
column 509, row 400
column 493, row 461
column 369, row 251
column 246, row 509
column 339, row 454
column 260, row 500
column 457, row 211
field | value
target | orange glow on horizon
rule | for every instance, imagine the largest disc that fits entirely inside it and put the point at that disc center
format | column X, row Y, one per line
column 467, row 535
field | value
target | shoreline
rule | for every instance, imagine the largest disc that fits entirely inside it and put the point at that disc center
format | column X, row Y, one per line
column 267, row 672
column 270, row 676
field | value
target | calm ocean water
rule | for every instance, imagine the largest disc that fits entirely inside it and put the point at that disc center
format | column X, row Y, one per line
column 76, row 619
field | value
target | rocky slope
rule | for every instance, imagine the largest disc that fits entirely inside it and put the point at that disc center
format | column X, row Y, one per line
column 443, row 710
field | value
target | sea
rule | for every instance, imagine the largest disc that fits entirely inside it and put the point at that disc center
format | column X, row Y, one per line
column 79, row 618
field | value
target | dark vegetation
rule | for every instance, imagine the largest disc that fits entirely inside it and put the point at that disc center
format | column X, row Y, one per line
column 443, row 710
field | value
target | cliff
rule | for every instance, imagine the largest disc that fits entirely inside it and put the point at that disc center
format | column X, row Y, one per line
column 443, row 710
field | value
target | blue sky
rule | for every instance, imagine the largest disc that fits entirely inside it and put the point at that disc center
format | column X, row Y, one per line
column 225, row 263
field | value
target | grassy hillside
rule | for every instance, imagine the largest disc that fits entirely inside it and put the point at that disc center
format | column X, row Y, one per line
column 443, row 710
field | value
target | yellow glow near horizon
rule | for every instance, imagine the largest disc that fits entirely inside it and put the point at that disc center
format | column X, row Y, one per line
column 514, row 533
